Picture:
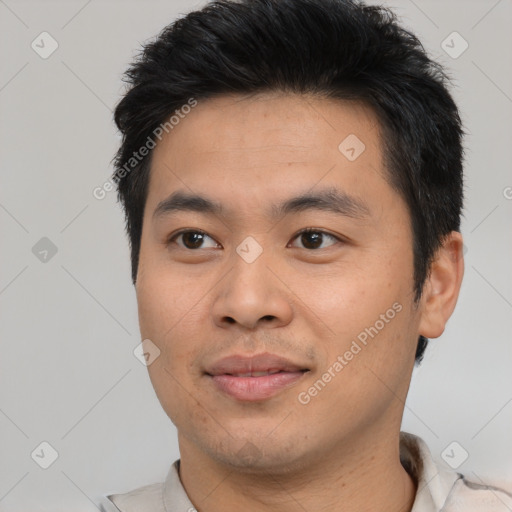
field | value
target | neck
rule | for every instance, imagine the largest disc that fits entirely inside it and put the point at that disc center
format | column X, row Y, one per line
column 358, row 476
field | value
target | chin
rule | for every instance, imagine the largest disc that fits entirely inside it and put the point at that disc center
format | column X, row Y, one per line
column 258, row 454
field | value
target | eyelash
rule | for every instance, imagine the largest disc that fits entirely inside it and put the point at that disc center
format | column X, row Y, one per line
column 174, row 236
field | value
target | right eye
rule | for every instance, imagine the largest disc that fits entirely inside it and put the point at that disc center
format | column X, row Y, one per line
column 192, row 239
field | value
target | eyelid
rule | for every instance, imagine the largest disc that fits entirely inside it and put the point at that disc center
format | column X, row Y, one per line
column 171, row 238
column 323, row 232
column 182, row 231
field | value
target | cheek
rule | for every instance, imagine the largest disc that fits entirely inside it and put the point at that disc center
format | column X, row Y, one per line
column 171, row 373
column 350, row 298
column 169, row 315
column 163, row 302
column 366, row 307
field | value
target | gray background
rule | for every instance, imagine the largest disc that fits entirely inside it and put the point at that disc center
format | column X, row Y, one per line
column 69, row 324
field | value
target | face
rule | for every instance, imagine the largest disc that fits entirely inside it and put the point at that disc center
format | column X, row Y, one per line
column 277, row 345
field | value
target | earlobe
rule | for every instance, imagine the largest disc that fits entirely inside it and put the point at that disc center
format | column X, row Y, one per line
column 441, row 289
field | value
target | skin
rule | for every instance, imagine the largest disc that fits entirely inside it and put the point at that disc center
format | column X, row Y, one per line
column 340, row 451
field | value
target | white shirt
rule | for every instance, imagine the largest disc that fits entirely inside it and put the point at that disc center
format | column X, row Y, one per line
column 438, row 489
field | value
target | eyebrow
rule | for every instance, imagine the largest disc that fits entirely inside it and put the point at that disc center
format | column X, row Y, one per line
column 328, row 199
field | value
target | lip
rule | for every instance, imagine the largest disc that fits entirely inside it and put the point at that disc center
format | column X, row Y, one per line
column 254, row 378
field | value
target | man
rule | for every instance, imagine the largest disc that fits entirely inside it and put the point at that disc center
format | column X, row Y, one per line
column 291, row 173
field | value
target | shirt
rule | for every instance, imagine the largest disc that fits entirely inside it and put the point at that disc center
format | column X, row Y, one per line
column 438, row 489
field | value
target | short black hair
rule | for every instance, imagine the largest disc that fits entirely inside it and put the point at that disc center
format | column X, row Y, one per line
column 338, row 49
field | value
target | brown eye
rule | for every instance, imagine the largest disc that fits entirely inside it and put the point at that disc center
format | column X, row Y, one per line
column 191, row 239
column 313, row 238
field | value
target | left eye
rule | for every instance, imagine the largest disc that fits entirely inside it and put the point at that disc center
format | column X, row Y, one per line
column 313, row 238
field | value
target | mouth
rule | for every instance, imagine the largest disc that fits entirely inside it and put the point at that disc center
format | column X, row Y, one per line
column 254, row 378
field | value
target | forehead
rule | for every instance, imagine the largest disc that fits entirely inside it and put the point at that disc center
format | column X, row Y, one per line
column 271, row 121
column 255, row 146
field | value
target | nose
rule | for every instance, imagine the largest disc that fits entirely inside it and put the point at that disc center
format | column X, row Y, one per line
column 252, row 294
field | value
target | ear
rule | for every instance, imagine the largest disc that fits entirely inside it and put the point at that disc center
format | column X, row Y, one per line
column 441, row 289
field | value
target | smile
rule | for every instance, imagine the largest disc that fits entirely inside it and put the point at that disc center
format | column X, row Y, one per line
column 254, row 378
column 256, row 386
